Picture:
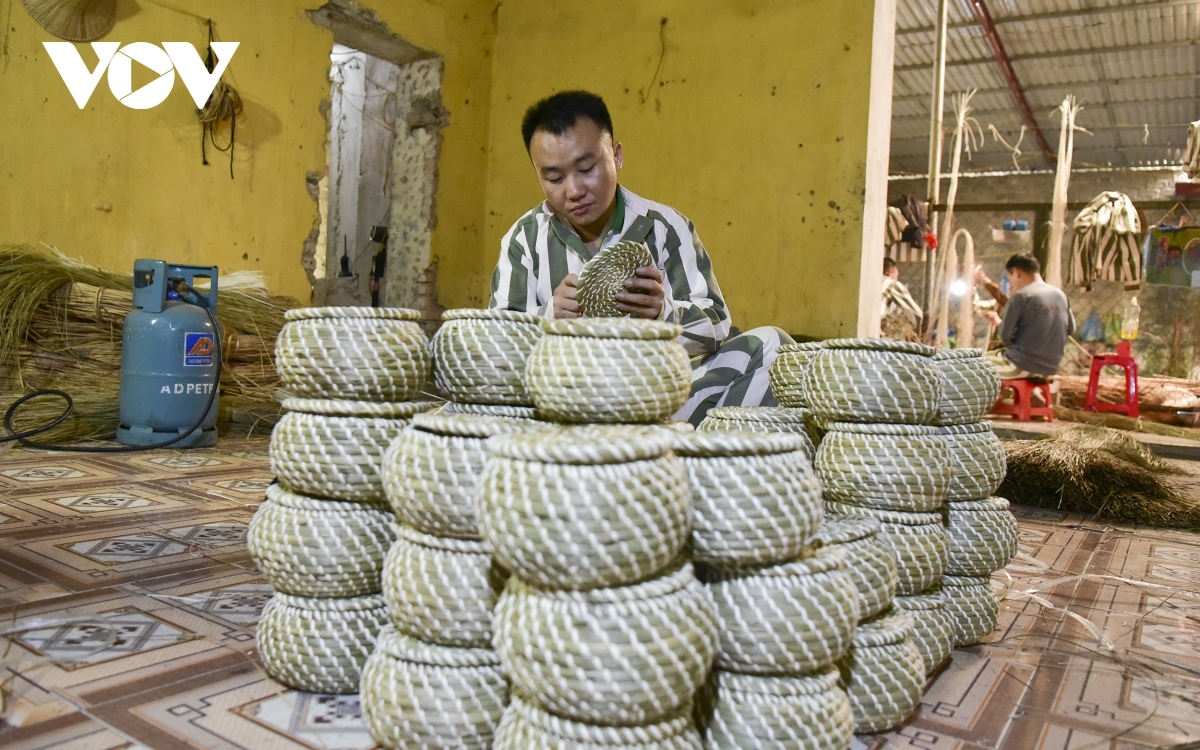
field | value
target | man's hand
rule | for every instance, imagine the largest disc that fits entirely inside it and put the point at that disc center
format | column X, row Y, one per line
column 645, row 297
column 991, row 317
column 980, row 276
column 565, row 302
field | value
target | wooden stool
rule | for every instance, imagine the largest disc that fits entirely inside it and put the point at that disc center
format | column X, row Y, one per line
column 1123, row 359
column 1022, row 408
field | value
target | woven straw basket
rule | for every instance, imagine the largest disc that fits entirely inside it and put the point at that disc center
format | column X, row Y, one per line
column 327, row 448
column 755, row 499
column 873, row 380
column 479, row 355
column 760, row 419
column 442, row 590
column 883, row 674
column 933, row 627
column 983, row 536
column 972, row 606
column 430, row 472
column 783, row 620
column 319, row 548
column 885, row 466
column 977, row 460
column 525, row 726
column 869, row 562
column 608, row 370
column 787, row 372
column 319, row 645
column 917, row 540
column 364, row 353
column 970, row 385
column 417, row 695
column 775, row 713
column 488, row 410
column 583, row 507
column 628, row 655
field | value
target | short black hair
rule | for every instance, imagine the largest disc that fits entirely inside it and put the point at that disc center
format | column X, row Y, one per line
column 888, row 264
column 1023, row 262
column 557, row 114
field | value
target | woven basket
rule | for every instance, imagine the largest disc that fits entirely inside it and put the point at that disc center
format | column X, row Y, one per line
column 442, row 590
column 918, row 541
column 787, row 372
column 608, row 370
column 749, row 712
column 488, row 410
column 760, row 419
column 627, row 655
column 584, row 507
column 525, row 726
column 869, row 562
column 319, row 548
column 417, row 695
column 933, row 627
column 873, row 380
column 970, row 385
column 983, row 536
column 883, row 674
column 431, row 470
column 755, row 499
column 603, row 277
column 977, row 460
column 319, row 645
column 972, row 606
column 885, row 466
column 479, row 355
column 333, row 449
column 783, row 620
column 363, row 353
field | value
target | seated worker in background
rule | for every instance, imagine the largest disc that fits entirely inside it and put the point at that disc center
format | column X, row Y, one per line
column 569, row 139
column 896, row 298
column 1037, row 321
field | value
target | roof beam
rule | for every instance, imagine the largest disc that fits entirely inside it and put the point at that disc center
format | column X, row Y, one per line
column 1058, row 14
column 1058, row 54
column 1136, row 81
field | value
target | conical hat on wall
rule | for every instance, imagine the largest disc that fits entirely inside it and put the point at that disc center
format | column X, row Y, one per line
column 75, row 20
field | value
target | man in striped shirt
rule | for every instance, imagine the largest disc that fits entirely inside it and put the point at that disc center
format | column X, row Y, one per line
column 569, row 138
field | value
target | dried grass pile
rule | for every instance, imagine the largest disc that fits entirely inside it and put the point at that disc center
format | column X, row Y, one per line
column 62, row 330
column 1101, row 472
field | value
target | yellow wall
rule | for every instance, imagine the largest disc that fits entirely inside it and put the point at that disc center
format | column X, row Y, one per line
column 755, row 128
column 58, row 163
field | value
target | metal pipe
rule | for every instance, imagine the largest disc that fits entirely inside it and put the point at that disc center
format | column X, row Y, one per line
column 933, row 193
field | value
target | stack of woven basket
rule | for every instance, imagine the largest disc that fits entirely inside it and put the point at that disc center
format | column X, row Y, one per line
column 321, row 536
column 479, row 361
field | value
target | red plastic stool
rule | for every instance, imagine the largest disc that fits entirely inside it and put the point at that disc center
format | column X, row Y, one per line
column 1022, row 408
column 1126, row 362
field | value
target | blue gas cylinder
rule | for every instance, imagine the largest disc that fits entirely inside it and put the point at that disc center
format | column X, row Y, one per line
column 169, row 358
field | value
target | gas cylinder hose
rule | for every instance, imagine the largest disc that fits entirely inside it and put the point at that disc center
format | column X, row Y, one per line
column 23, row 437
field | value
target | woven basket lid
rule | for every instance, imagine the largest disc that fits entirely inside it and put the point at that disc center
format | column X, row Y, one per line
column 74, row 20
column 967, row 582
column 984, row 504
column 848, row 530
column 440, row 543
column 887, row 629
column 813, row 563
column 406, row 648
column 336, row 407
column 975, row 428
column 472, row 425
column 804, row 346
column 577, row 734
column 279, row 494
column 489, row 410
column 880, row 428
column 586, row 445
column 949, row 354
column 881, row 345
column 766, row 414
column 603, row 277
column 721, row 444
column 664, row 583
column 634, row 329
column 894, row 517
column 920, row 602
column 349, row 604
column 815, row 683
column 333, row 313
column 507, row 316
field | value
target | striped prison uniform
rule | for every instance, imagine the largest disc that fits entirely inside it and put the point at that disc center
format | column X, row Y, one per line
column 540, row 250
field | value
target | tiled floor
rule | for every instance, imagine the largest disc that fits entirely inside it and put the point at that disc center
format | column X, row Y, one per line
column 128, row 604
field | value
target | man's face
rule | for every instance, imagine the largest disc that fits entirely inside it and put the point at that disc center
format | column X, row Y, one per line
column 892, row 273
column 578, row 170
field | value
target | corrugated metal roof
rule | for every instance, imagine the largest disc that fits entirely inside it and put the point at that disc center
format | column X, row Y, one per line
column 1134, row 66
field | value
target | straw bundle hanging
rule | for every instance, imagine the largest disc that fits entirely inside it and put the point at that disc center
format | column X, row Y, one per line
column 761, row 419
column 983, row 536
column 431, row 470
column 755, row 499
column 329, row 448
column 417, row 695
column 977, row 461
column 319, row 548
column 319, row 645
column 1107, row 241
column 869, row 562
column 885, row 466
column 916, row 539
column 787, row 372
column 363, row 353
column 479, row 355
column 1191, row 153
column 873, row 380
column 972, row 606
column 628, row 655
column 608, row 370
column 442, row 590
column 525, row 726
column 584, row 507
column 933, row 627
column 787, row 619
column 883, row 674
column 970, row 385
column 750, row 712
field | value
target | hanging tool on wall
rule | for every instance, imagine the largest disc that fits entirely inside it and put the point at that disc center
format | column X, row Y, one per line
column 223, row 104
